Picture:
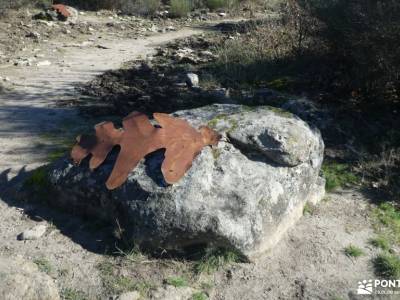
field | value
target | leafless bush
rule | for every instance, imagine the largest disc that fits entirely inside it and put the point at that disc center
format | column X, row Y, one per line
column 250, row 57
column 383, row 170
column 362, row 38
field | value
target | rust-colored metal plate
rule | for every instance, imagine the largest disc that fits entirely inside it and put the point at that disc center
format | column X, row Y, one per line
column 182, row 143
column 139, row 138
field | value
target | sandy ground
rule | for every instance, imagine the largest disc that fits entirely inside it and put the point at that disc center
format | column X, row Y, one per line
column 27, row 109
column 308, row 263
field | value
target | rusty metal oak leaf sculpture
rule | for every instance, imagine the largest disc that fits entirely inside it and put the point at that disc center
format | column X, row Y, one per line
column 137, row 138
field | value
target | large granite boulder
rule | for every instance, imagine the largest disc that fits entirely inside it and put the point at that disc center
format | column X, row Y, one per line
column 242, row 194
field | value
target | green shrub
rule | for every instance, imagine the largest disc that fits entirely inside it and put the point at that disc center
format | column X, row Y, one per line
column 353, row 251
column 380, row 242
column 338, row 175
column 387, row 221
column 176, row 281
column 389, row 215
column 387, row 266
column 214, row 259
column 180, row 8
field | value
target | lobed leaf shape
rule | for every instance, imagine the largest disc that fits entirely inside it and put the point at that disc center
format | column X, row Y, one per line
column 138, row 138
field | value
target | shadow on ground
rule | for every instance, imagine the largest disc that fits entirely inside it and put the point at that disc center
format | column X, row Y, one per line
column 91, row 234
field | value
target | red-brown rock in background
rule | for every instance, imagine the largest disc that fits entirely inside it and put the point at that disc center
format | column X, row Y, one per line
column 62, row 10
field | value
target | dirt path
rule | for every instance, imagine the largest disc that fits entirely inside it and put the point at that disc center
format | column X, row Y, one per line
column 27, row 110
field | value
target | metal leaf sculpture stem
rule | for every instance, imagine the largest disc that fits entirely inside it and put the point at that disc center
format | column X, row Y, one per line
column 182, row 143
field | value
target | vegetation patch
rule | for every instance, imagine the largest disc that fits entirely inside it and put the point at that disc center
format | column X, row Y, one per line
column 215, row 4
column 59, row 145
column 308, row 209
column 176, row 281
column 338, row 175
column 353, row 251
column 233, row 124
column 71, row 294
column 387, row 266
column 39, row 178
column 281, row 112
column 214, row 259
column 44, row 265
column 132, row 254
column 387, row 221
column 199, row 296
column 38, row 184
column 380, row 242
column 180, row 8
column 214, row 122
column 115, row 283
column 112, row 282
column 281, row 84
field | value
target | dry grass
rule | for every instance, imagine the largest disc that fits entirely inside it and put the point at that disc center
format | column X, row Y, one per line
column 215, row 4
column 180, row 8
column 15, row 4
column 141, row 7
column 383, row 170
column 259, row 53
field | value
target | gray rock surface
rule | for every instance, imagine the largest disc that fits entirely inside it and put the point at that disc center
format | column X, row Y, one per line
column 285, row 140
column 242, row 194
column 192, row 80
column 33, row 233
column 21, row 279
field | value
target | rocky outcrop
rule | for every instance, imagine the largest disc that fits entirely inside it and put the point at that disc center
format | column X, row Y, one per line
column 241, row 194
column 33, row 233
column 21, row 279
